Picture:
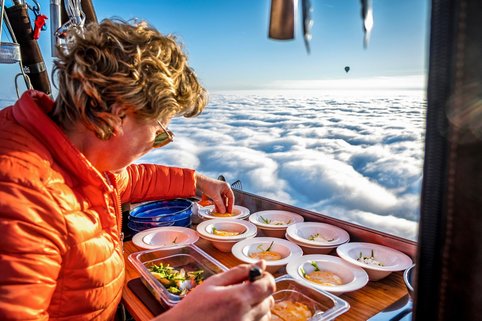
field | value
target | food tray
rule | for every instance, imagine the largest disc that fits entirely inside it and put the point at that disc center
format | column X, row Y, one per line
column 324, row 306
column 190, row 258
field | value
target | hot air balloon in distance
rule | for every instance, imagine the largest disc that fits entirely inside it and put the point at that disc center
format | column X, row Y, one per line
column 347, row 68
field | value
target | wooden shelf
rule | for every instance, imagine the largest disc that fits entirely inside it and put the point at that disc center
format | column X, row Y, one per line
column 364, row 303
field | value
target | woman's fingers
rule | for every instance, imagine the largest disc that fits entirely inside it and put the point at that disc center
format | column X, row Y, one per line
column 223, row 197
column 218, row 191
column 257, row 291
column 231, row 295
column 229, row 195
column 237, row 277
column 261, row 264
column 262, row 311
column 234, row 275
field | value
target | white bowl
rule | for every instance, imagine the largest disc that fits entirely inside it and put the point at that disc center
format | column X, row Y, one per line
column 208, row 212
column 311, row 249
column 165, row 238
column 274, row 222
column 352, row 277
column 315, row 234
column 391, row 259
column 288, row 251
column 225, row 243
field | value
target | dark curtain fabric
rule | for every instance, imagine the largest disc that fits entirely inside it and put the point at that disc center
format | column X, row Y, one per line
column 449, row 262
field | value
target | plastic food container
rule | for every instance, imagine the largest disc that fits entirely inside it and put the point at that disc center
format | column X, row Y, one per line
column 176, row 212
column 323, row 305
column 190, row 258
column 161, row 210
column 138, row 227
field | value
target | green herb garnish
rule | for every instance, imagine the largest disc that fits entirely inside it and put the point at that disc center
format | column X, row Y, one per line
column 269, row 248
column 369, row 259
column 313, row 236
column 264, row 220
column 315, row 265
column 260, row 247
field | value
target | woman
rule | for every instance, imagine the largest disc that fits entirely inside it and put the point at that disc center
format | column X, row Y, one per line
column 65, row 169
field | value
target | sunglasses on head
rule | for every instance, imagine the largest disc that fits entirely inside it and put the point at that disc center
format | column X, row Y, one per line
column 164, row 137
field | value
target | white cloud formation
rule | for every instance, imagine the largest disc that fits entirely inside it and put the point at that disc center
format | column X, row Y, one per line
column 410, row 82
column 357, row 157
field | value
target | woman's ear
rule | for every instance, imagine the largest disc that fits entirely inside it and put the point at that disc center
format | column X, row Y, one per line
column 119, row 110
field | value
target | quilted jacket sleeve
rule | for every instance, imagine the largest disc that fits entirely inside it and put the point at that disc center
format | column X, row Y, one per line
column 145, row 182
column 30, row 251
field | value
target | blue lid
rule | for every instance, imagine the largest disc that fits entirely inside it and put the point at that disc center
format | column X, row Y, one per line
column 137, row 227
column 167, row 210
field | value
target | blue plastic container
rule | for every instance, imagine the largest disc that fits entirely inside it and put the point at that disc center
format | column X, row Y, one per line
column 161, row 211
column 137, row 227
column 175, row 212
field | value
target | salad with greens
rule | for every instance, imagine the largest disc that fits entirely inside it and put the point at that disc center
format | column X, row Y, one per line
column 178, row 282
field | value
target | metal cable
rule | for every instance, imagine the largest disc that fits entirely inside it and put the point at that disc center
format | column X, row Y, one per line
column 22, row 71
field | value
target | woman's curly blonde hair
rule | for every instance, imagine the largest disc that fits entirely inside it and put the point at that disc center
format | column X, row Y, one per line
column 129, row 64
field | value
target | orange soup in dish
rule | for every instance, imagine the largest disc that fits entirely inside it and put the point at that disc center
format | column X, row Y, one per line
column 325, row 278
column 322, row 277
column 266, row 254
column 224, row 233
column 234, row 212
column 287, row 310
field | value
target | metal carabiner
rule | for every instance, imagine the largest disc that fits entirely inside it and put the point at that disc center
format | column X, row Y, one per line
column 35, row 8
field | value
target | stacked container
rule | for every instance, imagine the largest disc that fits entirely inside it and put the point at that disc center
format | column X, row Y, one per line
column 177, row 212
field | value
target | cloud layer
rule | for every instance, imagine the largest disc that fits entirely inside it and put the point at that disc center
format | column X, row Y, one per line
column 354, row 156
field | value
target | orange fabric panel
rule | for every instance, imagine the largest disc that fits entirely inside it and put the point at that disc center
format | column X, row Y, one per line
column 155, row 182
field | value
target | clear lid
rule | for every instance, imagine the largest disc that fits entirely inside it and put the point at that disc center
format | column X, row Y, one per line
column 323, row 306
column 189, row 258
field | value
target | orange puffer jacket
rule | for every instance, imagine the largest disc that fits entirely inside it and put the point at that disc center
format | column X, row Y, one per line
column 61, row 248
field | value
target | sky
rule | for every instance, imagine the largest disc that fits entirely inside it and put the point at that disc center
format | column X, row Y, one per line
column 228, row 46
column 295, row 126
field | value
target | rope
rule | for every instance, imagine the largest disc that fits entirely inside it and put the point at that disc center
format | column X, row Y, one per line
column 74, row 11
column 76, row 19
column 75, row 14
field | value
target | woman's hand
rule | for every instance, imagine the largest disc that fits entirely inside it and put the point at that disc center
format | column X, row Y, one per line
column 227, row 296
column 218, row 191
